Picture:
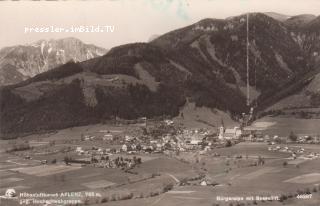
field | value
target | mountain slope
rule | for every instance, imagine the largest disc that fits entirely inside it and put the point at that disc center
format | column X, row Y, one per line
column 277, row 16
column 296, row 22
column 275, row 57
column 202, row 65
column 29, row 60
column 302, row 93
column 131, row 81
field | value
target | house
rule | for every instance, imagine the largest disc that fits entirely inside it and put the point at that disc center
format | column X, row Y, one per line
column 124, row 148
column 159, row 147
column 168, row 122
column 80, row 150
column 266, row 138
column 207, row 182
column 43, row 162
column 195, row 142
column 129, row 138
column 203, row 183
column 248, row 138
column 316, row 139
column 108, row 137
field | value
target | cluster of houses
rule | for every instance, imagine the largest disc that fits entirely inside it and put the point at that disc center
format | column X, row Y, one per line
column 106, row 135
column 183, row 140
column 311, row 139
column 304, row 139
column 105, row 158
column 118, row 162
column 256, row 134
column 295, row 152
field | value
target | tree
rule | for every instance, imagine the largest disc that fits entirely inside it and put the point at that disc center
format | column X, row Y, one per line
column 138, row 147
column 293, row 137
column 167, row 146
column 67, row 160
column 260, row 161
column 285, row 163
column 228, row 143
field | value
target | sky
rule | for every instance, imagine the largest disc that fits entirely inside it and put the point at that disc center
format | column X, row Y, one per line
column 133, row 20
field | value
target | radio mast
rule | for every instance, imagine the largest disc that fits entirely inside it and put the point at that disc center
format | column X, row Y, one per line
column 248, row 76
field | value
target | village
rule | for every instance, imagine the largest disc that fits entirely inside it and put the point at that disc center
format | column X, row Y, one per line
column 142, row 151
column 122, row 150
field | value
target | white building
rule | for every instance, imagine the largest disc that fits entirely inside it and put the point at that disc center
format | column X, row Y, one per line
column 230, row 133
column 124, row 148
column 108, row 137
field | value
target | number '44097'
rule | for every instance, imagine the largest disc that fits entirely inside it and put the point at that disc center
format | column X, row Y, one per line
column 304, row 196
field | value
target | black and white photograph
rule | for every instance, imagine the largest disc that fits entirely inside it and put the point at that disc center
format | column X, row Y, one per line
column 160, row 103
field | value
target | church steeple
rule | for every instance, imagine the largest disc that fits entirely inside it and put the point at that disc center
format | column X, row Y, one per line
column 221, row 130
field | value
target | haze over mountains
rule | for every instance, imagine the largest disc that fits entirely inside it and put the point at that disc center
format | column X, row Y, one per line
column 18, row 63
column 203, row 64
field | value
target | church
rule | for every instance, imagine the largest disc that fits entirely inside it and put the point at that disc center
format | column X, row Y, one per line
column 229, row 133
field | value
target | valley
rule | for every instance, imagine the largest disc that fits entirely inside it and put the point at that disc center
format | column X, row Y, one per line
column 223, row 112
column 170, row 171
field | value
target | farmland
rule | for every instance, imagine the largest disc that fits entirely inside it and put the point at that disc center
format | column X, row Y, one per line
column 243, row 170
column 284, row 125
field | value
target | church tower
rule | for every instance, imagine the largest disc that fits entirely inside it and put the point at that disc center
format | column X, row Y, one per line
column 221, row 130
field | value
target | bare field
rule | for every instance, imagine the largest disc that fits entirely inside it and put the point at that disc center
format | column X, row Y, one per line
column 259, row 172
column 304, row 179
column 283, row 126
column 253, row 150
column 8, row 181
column 98, row 184
column 4, row 173
column 166, row 165
column 44, row 170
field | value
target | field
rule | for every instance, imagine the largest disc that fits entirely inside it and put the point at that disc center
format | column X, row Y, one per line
column 98, row 184
column 162, row 180
column 284, row 125
column 304, row 179
column 45, row 170
column 269, row 180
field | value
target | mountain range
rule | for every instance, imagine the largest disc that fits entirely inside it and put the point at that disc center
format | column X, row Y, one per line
column 18, row 63
column 203, row 64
